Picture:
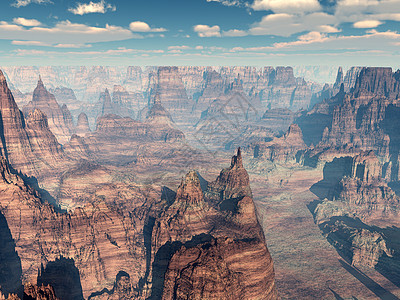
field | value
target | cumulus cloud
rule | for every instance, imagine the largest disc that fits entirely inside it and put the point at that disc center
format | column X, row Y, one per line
column 183, row 47
column 74, row 33
column 230, row 2
column 139, row 26
column 26, row 22
column 92, row 7
column 286, row 6
column 373, row 40
column 21, row 3
column 287, row 24
column 235, row 33
column 367, row 24
column 29, row 43
column 207, row 31
column 43, row 44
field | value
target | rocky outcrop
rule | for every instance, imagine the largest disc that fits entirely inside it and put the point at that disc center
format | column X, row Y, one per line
column 356, row 207
column 193, row 79
column 214, row 87
column 282, row 149
column 28, row 144
column 39, row 292
column 359, row 119
column 105, row 100
column 186, row 239
column 278, row 119
column 285, row 91
column 350, row 78
column 214, row 270
column 126, row 104
column 34, row 292
column 82, row 127
column 156, row 132
column 169, row 86
column 379, row 82
column 72, row 250
column 65, row 96
column 339, row 79
column 227, row 118
column 151, row 239
column 363, row 117
column 60, row 119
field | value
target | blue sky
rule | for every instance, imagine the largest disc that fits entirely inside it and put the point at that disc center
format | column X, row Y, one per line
column 200, row 32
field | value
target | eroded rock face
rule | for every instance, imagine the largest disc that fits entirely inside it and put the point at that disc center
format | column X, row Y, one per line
column 28, row 144
column 282, row 149
column 151, row 239
column 34, row 292
column 75, row 247
column 362, row 119
column 82, row 127
column 170, row 88
column 39, row 292
column 359, row 205
column 186, row 239
column 59, row 118
column 214, row 270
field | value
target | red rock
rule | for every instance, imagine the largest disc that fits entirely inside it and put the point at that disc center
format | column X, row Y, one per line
column 60, row 119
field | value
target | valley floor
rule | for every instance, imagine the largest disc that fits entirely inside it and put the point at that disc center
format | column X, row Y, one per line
column 306, row 265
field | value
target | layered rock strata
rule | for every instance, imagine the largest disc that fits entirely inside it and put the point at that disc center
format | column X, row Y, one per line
column 59, row 118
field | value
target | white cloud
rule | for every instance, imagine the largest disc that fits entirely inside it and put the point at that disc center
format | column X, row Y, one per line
column 29, row 43
column 26, row 22
column 139, row 26
column 371, row 41
column 367, row 24
column 183, row 47
column 297, row 16
column 175, row 51
column 92, row 7
column 42, row 44
column 287, row 24
column 207, row 31
column 234, row 33
column 230, row 2
column 63, row 31
column 92, row 54
column 294, row 6
column 21, row 3
column 309, row 38
column 72, row 46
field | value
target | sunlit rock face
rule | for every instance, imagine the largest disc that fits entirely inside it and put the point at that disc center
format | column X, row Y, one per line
column 28, row 143
column 59, row 118
column 136, row 245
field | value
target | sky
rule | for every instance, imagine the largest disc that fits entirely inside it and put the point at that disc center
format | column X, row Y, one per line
column 200, row 32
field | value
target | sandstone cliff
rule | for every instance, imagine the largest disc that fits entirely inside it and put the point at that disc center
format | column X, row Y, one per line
column 82, row 127
column 126, row 242
column 59, row 118
column 28, row 144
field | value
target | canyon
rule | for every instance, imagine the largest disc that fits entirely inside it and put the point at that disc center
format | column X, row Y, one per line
column 111, row 184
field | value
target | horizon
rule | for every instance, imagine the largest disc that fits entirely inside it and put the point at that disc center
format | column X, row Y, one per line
column 200, row 32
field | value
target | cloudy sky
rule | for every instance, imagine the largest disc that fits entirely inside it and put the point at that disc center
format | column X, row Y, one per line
column 200, row 32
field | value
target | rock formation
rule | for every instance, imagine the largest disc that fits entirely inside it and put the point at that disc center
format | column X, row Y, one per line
column 169, row 86
column 186, row 235
column 105, row 100
column 28, row 144
column 356, row 206
column 59, row 118
column 82, row 127
column 282, row 149
column 151, row 240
